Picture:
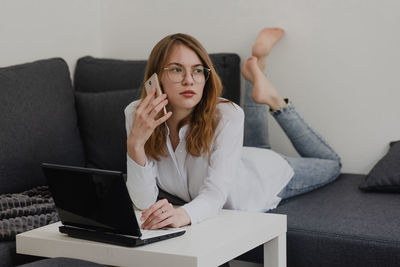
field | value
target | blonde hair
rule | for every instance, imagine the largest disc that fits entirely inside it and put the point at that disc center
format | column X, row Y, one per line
column 204, row 118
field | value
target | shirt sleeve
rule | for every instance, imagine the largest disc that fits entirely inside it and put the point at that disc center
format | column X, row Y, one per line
column 224, row 159
column 141, row 181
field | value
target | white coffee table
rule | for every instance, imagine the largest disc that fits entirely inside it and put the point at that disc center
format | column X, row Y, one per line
column 210, row 243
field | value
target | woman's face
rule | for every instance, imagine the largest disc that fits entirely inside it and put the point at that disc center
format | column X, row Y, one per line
column 182, row 95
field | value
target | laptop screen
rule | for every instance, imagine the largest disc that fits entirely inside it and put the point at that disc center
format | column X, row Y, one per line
column 91, row 198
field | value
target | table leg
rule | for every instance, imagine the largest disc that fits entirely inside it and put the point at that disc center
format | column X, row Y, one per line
column 275, row 252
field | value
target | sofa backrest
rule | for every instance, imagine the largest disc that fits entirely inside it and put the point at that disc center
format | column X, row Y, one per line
column 38, row 123
column 100, row 75
column 104, row 87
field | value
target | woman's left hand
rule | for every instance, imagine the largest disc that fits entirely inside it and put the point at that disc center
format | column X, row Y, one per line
column 163, row 214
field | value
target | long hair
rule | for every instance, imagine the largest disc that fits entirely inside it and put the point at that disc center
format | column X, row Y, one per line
column 204, row 119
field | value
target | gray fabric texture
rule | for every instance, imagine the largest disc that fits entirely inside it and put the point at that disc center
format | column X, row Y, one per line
column 99, row 75
column 9, row 257
column 102, row 125
column 61, row 262
column 385, row 175
column 38, row 123
column 26, row 211
column 339, row 225
column 7, row 253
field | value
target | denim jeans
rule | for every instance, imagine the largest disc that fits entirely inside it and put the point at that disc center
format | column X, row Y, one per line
column 318, row 165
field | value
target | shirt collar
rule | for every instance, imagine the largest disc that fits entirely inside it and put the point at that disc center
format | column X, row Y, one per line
column 182, row 131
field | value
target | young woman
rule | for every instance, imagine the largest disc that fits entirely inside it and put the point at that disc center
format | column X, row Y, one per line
column 196, row 150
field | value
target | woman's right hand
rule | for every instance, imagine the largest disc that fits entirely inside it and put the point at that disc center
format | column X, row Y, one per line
column 144, row 123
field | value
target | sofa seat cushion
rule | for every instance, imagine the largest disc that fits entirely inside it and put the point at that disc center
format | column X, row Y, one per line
column 340, row 225
column 62, row 262
column 38, row 123
column 9, row 257
column 7, row 253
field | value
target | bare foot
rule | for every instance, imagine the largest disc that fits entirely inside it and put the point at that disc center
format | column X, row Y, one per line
column 263, row 92
column 265, row 41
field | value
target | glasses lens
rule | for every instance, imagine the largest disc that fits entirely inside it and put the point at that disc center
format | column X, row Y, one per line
column 176, row 74
column 198, row 74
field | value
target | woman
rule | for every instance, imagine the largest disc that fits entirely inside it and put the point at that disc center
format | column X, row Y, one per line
column 196, row 152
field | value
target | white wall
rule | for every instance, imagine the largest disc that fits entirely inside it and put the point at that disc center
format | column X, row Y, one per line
column 339, row 60
column 32, row 30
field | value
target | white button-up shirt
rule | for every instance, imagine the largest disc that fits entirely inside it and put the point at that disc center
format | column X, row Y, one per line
column 233, row 177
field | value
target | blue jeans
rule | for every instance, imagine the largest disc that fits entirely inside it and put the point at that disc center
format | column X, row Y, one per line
column 318, row 165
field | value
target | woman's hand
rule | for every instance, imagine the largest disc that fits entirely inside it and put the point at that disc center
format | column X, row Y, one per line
column 144, row 123
column 163, row 214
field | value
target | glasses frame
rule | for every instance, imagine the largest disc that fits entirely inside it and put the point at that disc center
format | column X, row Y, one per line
column 206, row 70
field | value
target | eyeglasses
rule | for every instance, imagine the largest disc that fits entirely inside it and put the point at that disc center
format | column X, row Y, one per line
column 177, row 74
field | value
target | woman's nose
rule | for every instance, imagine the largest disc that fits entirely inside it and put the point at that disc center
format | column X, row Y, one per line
column 188, row 79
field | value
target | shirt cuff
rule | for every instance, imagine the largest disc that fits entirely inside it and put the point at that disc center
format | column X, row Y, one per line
column 147, row 165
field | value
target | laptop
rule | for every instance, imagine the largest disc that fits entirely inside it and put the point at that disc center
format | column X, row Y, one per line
column 94, row 204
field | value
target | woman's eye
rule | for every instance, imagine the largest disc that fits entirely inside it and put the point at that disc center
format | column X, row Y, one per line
column 198, row 71
column 176, row 69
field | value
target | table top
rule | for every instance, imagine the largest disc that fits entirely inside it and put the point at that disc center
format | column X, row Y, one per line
column 209, row 243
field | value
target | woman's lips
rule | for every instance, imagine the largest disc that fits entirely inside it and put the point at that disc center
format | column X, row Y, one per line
column 188, row 93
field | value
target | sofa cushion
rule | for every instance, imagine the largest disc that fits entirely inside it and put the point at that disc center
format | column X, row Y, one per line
column 99, row 75
column 102, row 126
column 339, row 225
column 385, row 175
column 7, row 253
column 62, row 262
column 38, row 123
column 9, row 257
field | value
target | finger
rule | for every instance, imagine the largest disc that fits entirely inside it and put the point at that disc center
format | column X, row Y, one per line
column 158, row 108
column 155, row 218
column 158, row 215
column 153, row 104
column 163, row 119
column 145, row 102
column 164, row 223
column 147, row 212
column 160, row 219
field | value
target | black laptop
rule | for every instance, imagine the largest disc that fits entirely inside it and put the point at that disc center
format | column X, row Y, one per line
column 94, row 204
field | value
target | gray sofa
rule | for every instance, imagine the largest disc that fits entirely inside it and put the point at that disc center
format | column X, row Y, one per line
column 46, row 119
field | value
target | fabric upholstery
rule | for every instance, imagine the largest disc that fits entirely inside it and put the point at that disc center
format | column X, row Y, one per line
column 38, row 123
column 102, row 126
column 99, row 75
column 104, row 89
column 385, row 175
column 7, row 251
column 9, row 257
column 62, row 262
column 339, row 225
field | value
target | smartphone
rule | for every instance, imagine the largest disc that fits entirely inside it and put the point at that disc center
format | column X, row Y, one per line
column 152, row 83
